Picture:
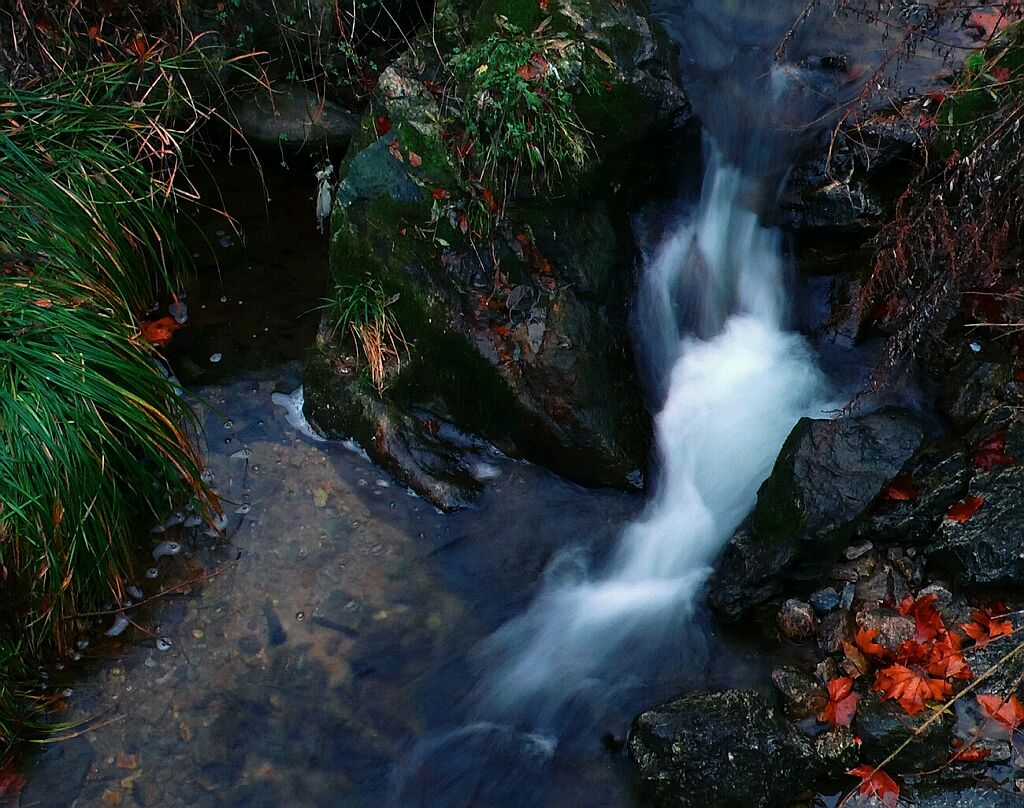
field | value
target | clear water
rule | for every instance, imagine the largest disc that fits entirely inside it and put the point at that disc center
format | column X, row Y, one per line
column 355, row 647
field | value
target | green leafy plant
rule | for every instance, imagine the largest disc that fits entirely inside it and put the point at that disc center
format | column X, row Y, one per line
column 364, row 311
column 517, row 106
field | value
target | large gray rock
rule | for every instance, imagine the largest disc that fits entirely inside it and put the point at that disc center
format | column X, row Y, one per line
column 721, row 750
column 827, row 474
column 977, row 797
column 986, row 550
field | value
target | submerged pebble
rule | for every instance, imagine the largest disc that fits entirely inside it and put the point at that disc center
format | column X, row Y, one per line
column 117, row 629
column 215, row 358
column 166, row 548
column 242, row 454
column 221, row 521
column 193, row 520
column 135, row 592
column 243, row 508
column 163, row 644
column 152, row 573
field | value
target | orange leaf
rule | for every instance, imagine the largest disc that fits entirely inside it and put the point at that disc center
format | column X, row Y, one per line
column 963, row 511
column 159, row 332
column 945, row 659
column 440, row 193
column 842, row 702
column 900, row 490
column 396, row 150
column 1008, row 712
column 876, row 783
column 991, row 451
column 983, row 627
column 415, row 160
column 865, row 640
column 43, row 303
column 971, row 754
column 382, row 125
column 927, row 620
column 911, row 687
column 11, row 784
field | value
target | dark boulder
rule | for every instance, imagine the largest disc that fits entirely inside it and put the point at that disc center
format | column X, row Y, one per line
column 827, row 474
column 883, row 727
column 986, row 550
column 719, row 750
column 975, row 797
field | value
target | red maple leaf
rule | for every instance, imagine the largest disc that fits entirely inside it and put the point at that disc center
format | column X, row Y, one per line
column 536, row 67
column 984, row 627
column 842, row 702
column 865, row 639
column 1008, row 712
column 991, row 451
column 968, row 754
column 927, row 620
column 900, row 490
column 945, row 659
column 963, row 511
column 910, row 687
column 382, row 125
column 876, row 783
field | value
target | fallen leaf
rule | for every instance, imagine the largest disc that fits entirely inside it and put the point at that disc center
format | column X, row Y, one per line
column 911, row 687
column 415, row 160
column 604, row 57
column 159, row 332
column 43, row 303
column 11, row 784
column 126, row 761
column 991, row 451
column 382, row 125
column 865, row 639
column 440, row 193
column 971, row 754
column 983, row 627
column 876, row 783
column 396, row 150
column 1008, row 712
column 963, row 511
column 900, row 490
column 927, row 620
column 842, row 702
column 855, row 663
column 945, row 659
column 536, row 67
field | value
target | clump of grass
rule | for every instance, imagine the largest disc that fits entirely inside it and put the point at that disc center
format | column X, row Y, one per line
column 93, row 435
column 517, row 107
column 364, row 311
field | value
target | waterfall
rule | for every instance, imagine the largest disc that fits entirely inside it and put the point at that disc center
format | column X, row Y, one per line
column 733, row 380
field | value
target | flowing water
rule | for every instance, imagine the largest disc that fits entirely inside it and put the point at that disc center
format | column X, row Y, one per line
column 356, row 647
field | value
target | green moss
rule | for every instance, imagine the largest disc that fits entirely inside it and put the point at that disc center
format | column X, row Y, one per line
column 524, row 14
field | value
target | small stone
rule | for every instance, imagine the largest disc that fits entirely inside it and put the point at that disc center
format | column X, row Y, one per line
column 184, row 732
column 111, row 798
column 215, row 358
column 319, row 497
column 796, row 620
column 943, row 597
column 825, row 600
column 802, row 696
column 857, row 550
column 126, row 761
column 893, row 629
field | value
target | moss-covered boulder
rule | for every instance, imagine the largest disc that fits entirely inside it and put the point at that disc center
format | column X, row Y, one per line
column 510, row 285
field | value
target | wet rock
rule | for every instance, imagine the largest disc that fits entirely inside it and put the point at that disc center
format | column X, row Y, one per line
column 707, row 750
column 839, row 750
column 836, row 628
column 796, row 620
column 824, row 600
column 291, row 116
column 883, row 726
column 827, row 474
column 802, row 696
column 893, row 629
column 939, row 475
column 975, row 797
column 523, row 339
column 410, row 448
column 986, row 550
column 848, row 185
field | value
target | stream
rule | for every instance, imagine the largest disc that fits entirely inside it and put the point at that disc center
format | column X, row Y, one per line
column 348, row 645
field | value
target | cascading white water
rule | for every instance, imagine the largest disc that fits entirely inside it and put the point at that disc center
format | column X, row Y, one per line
column 734, row 382
column 732, row 400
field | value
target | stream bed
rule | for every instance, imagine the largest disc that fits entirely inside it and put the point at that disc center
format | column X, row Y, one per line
column 336, row 636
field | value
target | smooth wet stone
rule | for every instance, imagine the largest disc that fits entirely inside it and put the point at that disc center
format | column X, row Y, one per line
column 824, row 600
column 882, row 726
column 796, row 620
column 721, row 750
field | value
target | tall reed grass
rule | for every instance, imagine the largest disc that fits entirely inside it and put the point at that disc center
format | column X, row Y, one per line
column 93, row 436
